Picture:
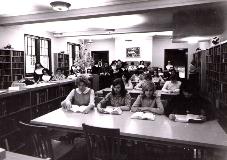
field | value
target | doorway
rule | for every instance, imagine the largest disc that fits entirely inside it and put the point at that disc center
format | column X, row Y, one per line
column 100, row 55
column 179, row 59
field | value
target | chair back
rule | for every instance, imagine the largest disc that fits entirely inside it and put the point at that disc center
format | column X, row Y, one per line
column 38, row 142
column 102, row 143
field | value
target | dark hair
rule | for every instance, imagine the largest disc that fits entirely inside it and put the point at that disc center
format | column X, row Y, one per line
column 173, row 77
column 83, row 79
column 127, row 76
column 47, row 71
column 132, row 63
column 58, row 69
column 148, row 76
column 148, row 85
column 190, row 87
column 38, row 63
column 121, row 83
column 142, row 62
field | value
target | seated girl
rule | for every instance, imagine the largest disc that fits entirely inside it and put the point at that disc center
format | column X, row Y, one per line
column 157, row 80
column 46, row 75
column 127, row 81
column 117, row 98
column 148, row 101
column 58, row 76
column 188, row 102
column 81, row 96
column 172, row 86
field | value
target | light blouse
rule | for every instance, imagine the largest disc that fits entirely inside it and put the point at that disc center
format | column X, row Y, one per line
column 79, row 98
column 153, row 105
column 116, row 100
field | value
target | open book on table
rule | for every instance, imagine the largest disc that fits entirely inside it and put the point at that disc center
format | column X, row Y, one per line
column 142, row 115
column 78, row 109
column 188, row 118
column 113, row 110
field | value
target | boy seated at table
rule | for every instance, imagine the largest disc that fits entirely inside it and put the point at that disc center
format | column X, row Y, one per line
column 188, row 102
column 147, row 78
column 148, row 101
column 118, row 97
column 172, row 86
column 81, row 96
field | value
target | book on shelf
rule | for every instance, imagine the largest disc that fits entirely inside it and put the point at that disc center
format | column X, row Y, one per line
column 188, row 118
column 113, row 110
column 143, row 116
column 78, row 109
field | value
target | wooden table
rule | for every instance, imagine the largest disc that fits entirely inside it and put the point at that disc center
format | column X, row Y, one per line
column 16, row 156
column 208, row 134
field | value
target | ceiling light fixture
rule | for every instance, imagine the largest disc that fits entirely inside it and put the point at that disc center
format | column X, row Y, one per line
column 60, row 5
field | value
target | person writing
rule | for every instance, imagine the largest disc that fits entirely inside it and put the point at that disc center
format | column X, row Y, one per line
column 172, row 86
column 148, row 101
column 81, row 96
column 188, row 102
column 117, row 98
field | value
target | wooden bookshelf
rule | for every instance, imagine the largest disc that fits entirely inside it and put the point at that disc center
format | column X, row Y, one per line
column 11, row 67
column 61, row 60
column 216, row 78
column 25, row 105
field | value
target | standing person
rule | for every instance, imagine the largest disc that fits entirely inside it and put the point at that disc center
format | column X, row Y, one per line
column 147, row 101
column 193, row 72
column 38, row 72
column 169, row 65
column 117, row 98
column 81, row 96
column 188, row 102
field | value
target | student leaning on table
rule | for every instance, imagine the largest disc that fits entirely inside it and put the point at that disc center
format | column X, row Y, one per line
column 188, row 102
column 117, row 98
column 173, row 85
column 81, row 96
column 148, row 100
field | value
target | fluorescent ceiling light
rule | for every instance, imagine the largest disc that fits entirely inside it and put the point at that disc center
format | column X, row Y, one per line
column 125, row 36
column 114, row 22
column 193, row 40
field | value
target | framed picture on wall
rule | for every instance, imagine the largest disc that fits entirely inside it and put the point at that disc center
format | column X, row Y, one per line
column 133, row 52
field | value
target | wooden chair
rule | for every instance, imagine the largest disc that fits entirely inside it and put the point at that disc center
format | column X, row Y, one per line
column 39, row 144
column 103, row 143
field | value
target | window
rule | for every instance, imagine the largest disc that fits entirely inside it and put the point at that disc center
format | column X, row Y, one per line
column 73, row 50
column 37, row 49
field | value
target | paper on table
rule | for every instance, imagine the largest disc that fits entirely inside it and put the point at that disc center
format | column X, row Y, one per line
column 78, row 109
column 185, row 118
column 145, row 116
column 113, row 110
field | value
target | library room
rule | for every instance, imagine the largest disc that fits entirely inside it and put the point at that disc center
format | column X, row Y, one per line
column 113, row 80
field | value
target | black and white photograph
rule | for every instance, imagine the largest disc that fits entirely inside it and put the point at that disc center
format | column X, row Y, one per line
column 113, row 80
column 133, row 52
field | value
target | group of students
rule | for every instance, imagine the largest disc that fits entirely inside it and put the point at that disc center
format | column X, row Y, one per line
column 187, row 102
column 43, row 74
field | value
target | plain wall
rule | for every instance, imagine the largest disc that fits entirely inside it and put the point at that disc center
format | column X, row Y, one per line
column 164, row 42
column 145, row 45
